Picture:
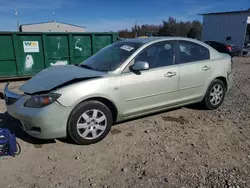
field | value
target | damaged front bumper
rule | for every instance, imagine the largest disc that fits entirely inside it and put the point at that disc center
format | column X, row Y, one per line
column 9, row 96
column 49, row 122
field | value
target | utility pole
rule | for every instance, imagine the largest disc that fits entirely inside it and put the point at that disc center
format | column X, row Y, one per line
column 17, row 20
column 135, row 28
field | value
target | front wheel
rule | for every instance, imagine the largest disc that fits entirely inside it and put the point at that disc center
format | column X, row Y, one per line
column 90, row 122
column 215, row 95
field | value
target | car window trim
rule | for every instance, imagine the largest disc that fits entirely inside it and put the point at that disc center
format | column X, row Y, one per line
column 178, row 53
column 154, row 69
column 174, row 60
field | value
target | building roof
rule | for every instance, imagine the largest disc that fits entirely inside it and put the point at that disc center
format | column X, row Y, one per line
column 52, row 22
column 229, row 12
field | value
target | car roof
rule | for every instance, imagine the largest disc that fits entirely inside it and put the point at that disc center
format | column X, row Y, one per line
column 152, row 39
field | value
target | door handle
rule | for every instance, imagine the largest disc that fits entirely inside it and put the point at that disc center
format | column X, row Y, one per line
column 170, row 74
column 205, row 68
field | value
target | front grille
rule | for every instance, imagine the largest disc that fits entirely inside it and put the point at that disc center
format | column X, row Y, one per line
column 10, row 100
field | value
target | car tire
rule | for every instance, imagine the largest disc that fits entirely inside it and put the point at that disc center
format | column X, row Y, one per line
column 215, row 95
column 90, row 122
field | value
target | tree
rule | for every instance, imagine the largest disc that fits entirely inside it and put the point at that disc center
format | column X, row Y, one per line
column 198, row 27
column 170, row 27
column 184, row 29
column 126, row 34
column 192, row 33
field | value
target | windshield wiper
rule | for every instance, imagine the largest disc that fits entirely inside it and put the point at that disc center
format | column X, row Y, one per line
column 87, row 67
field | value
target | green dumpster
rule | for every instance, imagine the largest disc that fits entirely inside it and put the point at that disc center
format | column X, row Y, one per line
column 7, row 57
column 25, row 54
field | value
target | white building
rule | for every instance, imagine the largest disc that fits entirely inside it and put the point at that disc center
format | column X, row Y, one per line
column 51, row 27
column 227, row 27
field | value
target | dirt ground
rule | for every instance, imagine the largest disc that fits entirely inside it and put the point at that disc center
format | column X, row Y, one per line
column 186, row 147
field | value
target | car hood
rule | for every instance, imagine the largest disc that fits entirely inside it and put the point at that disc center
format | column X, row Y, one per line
column 56, row 76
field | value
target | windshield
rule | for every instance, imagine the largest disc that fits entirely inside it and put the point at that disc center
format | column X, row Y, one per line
column 110, row 57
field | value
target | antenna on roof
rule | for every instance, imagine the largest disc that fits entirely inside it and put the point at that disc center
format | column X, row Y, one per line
column 53, row 15
column 17, row 21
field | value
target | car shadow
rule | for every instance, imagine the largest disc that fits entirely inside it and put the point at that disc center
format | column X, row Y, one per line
column 67, row 140
column 6, row 121
column 191, row 106
column 196, row 106
column 147, row 115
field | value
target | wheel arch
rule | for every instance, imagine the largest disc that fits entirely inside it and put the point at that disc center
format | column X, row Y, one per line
column 223, row 79
column 110, row 104
column 206, row 101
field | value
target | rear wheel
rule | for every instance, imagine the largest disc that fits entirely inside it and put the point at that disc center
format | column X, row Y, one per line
column 90, row 122
column 215, row 95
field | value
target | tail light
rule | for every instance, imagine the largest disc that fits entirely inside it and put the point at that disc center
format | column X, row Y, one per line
column 229, row 48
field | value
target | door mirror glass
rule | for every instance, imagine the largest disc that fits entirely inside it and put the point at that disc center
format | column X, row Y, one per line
column 140, row 65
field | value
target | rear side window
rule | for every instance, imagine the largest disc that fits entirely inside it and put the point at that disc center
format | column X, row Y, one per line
column 191, row 52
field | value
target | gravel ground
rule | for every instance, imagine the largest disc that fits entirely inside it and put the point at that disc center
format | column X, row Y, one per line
column 187, row 147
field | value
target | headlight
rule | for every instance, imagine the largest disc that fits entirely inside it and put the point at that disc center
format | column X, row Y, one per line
column 40, row 101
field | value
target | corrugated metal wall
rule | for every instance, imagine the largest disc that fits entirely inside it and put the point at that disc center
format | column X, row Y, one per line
column 220, row 26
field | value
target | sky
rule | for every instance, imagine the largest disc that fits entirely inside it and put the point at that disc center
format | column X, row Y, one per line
column 110, row 15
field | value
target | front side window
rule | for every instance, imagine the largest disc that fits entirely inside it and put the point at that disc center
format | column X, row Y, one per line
column 111, row 57
column 158, row 54
column 191, row 52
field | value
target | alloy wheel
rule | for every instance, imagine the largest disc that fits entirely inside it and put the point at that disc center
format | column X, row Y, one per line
column 91, row 124
column 216, row 94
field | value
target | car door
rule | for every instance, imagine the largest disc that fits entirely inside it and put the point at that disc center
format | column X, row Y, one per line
column 152, row 89
column 195, row 68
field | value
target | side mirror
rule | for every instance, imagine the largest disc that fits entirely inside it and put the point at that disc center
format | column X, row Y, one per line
column 140, row 65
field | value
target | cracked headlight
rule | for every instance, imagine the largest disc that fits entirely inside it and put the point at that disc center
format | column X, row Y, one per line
column 40, row 101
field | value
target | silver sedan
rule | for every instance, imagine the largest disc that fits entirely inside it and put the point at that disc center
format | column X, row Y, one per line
column 126, row 79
